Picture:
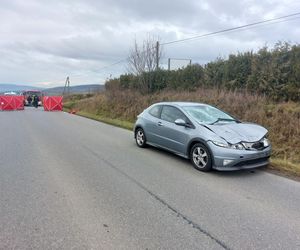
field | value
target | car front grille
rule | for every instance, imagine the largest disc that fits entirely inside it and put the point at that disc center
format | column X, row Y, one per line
column 252, row 162
column 259, row 145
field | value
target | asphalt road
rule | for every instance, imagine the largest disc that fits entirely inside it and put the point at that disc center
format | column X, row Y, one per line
column 67, row 182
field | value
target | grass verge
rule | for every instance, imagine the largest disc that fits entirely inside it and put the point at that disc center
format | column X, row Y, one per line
column 110, row 121
column 284, row 168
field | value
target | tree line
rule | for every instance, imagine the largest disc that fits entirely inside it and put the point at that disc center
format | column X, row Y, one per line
column 272, row 72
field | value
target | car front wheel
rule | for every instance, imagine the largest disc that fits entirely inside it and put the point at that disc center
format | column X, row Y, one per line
column 140, row 138
column 201, row 157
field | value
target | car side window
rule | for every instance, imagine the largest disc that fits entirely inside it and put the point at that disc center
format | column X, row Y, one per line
column 171, row 114
column 155, row 111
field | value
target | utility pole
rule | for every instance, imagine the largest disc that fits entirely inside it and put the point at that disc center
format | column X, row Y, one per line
column 157, row 55
column 67, row 87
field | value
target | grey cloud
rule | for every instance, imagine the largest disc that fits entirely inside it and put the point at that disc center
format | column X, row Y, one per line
column 46, row 40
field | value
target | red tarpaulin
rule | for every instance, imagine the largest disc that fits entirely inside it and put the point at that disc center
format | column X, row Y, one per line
column 19, row 102
column 53, row 103
column 10, row 103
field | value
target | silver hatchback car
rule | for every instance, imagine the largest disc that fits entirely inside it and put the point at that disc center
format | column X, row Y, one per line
column 207, row 136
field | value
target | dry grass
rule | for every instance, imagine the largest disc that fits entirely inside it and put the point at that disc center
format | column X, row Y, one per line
column 281, row 119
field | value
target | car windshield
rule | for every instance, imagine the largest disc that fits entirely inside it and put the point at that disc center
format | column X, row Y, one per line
column 208, row 114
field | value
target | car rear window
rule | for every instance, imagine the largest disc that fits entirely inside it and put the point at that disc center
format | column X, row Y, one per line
column 155, row 111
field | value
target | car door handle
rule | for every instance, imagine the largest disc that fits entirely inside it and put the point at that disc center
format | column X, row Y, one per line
column 159, row 124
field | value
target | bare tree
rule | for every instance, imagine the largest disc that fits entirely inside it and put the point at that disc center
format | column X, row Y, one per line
column 145, row 59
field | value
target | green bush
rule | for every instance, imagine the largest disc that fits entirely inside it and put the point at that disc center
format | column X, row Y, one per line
column 272, row 72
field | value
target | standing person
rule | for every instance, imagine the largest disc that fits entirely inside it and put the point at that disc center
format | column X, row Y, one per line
column 35, row 101
column 29, row 100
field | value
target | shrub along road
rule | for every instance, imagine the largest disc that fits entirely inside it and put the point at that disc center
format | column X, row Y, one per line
column 70, row 182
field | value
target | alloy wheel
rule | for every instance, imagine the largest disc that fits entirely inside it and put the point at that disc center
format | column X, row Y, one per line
column 140, row 138
column 201, row 157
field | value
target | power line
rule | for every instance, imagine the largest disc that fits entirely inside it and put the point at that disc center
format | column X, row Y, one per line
column 84, row 74
column 268, row 21
column 113, row 64
column 255, row 27
column 231, row 29
column 215, row 33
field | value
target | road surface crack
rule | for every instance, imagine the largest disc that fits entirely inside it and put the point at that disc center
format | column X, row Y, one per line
column 174, row 210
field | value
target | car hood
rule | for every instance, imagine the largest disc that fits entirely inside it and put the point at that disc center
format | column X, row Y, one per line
column 237, row 132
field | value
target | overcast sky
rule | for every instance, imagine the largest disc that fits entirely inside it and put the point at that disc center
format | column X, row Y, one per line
column 42, row 42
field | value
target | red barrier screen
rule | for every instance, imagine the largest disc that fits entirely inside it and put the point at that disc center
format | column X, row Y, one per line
column 10, row 103
column 19, row 102
column 53, row 103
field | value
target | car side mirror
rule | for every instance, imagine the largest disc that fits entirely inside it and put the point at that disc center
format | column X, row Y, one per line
column 180, row 122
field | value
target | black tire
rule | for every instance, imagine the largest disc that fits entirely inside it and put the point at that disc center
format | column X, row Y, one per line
column 201, row 157
column 140, row 138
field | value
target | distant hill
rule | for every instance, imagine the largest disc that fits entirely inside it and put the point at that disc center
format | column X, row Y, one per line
column 80, row 89
column 16, row 88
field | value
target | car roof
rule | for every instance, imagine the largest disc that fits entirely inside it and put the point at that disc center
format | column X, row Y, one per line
column 182, row 104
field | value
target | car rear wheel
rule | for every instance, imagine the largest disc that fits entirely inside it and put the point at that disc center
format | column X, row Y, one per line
column 140, row 138
column 201, row 157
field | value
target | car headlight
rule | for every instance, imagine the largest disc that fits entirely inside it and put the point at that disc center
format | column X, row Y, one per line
column 220, row 144
column 227, row 145
column 237, row 146
column 266, row 142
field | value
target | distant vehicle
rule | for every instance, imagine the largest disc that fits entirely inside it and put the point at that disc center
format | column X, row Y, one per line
column 28, row 97
column 207, row 136
column 11, row 93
